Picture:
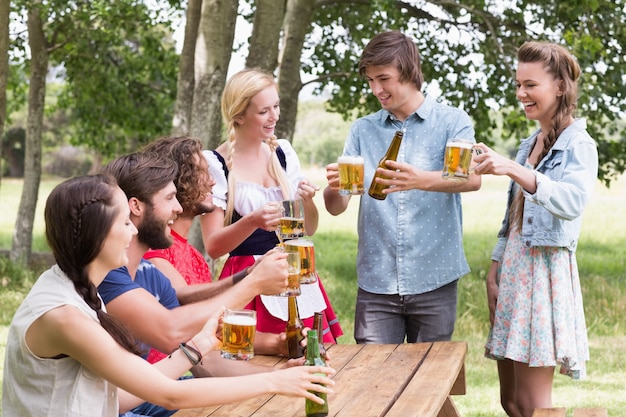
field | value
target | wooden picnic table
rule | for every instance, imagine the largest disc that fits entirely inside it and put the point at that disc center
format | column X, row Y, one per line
column 409, row 379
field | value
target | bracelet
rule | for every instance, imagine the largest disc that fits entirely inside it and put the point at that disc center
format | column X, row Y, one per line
column 240, row 275
column 187, row 350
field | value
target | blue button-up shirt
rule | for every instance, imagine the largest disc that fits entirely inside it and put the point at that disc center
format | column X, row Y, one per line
column 411, row 242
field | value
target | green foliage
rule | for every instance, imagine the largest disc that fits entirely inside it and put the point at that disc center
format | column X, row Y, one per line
column 319, row 135
column 468, row 50
column 15, row 282
column 121, row 79
column 117, row 64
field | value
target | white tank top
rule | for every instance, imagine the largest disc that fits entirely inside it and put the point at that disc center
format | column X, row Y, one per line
column 39, row 387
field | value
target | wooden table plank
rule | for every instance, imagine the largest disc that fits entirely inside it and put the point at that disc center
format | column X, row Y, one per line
column 371, row 381
column 439, row 372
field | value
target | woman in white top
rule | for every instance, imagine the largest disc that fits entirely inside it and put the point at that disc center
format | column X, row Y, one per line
column 253, row 170
column 65, row 356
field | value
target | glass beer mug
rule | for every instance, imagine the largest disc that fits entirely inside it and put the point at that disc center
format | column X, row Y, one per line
column 307, row 258
column 239, row 329
column 458, row 158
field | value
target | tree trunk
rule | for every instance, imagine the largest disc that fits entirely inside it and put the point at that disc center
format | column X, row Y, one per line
column 23, row 236
column 263, row 49
column 5, row 6
column 213, row 51
column 184, row 91
column 296, row 25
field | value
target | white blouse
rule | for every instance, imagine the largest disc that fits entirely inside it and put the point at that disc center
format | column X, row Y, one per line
column 250, row 196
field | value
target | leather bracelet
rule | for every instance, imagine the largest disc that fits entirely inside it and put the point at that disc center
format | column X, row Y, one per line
column 238, row 276
column 187, row 350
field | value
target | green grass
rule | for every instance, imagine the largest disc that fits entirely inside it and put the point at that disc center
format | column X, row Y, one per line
column 601, row 256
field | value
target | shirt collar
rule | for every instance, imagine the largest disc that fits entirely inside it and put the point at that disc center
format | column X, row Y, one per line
column 423, row 111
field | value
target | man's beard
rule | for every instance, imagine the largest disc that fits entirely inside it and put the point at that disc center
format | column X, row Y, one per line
column 151, row 232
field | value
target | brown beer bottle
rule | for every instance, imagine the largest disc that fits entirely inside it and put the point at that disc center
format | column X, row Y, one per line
column 294, row 330
column 376, row 189
column 313, row 358
column 318, row 326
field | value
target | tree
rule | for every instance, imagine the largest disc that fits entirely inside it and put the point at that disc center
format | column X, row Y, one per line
column 295, row 28
column 263, row 43
column 186, row 77
column 5, row 7
column 23, row 235
column 119, row 78
column 212, row 56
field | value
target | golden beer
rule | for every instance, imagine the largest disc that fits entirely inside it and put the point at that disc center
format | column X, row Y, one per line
column 239, row 328
column 293, row 274
column 457, row 160
column 351, row 171
column 307, row 258
column 290, row 227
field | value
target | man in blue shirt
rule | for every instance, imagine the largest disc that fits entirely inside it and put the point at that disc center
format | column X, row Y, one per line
column 143, row 299
column 410, row 252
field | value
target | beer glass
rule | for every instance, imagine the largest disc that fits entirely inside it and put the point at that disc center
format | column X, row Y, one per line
column 291, row 224
column 293, row 271
column 351, row 169
column 457, row 159
column 307, row 258
column 239, row 328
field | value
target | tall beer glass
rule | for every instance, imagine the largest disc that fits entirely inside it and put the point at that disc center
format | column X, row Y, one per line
column 457, row 159
column 307, row 258
column 239, row 328
column 291, row 224
column 351, row 170
column 293, row 277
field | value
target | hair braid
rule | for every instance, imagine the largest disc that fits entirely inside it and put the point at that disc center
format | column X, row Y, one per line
column 79, row 213
column 230, row 200
column 564, row 68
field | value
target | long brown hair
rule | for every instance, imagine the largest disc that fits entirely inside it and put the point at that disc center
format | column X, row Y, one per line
column 559, row 62
column 79, row 214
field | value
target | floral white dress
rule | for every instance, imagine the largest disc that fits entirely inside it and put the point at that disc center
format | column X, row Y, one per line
column 539, row 316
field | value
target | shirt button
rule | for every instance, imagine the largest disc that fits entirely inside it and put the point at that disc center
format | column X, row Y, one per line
column 528, row 243
column 530, row 220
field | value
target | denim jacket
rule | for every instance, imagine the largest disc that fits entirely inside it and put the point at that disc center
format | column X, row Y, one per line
column 566, row 177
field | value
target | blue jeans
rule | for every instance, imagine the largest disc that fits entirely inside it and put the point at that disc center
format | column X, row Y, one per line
column 151, row 410
column 390, row 318
column 148, row 409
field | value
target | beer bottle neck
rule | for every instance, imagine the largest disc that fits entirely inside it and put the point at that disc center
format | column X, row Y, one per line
column 312, row 347
column 292, row 310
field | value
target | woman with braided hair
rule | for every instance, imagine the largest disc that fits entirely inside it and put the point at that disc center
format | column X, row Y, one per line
column 66, row 357
column 533, row 286
column 252, row 171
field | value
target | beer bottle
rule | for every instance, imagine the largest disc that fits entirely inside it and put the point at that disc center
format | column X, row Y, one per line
column 318, row 326
column 376, row 189
column 313, row 358
column 294, row 330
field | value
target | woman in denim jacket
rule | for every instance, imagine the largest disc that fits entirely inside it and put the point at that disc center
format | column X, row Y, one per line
column 533, row 286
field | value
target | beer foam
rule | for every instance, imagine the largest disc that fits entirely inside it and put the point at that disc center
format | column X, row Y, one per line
column 240, row 320
column 299, row 242
column 460, row 144
column 350, row 160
